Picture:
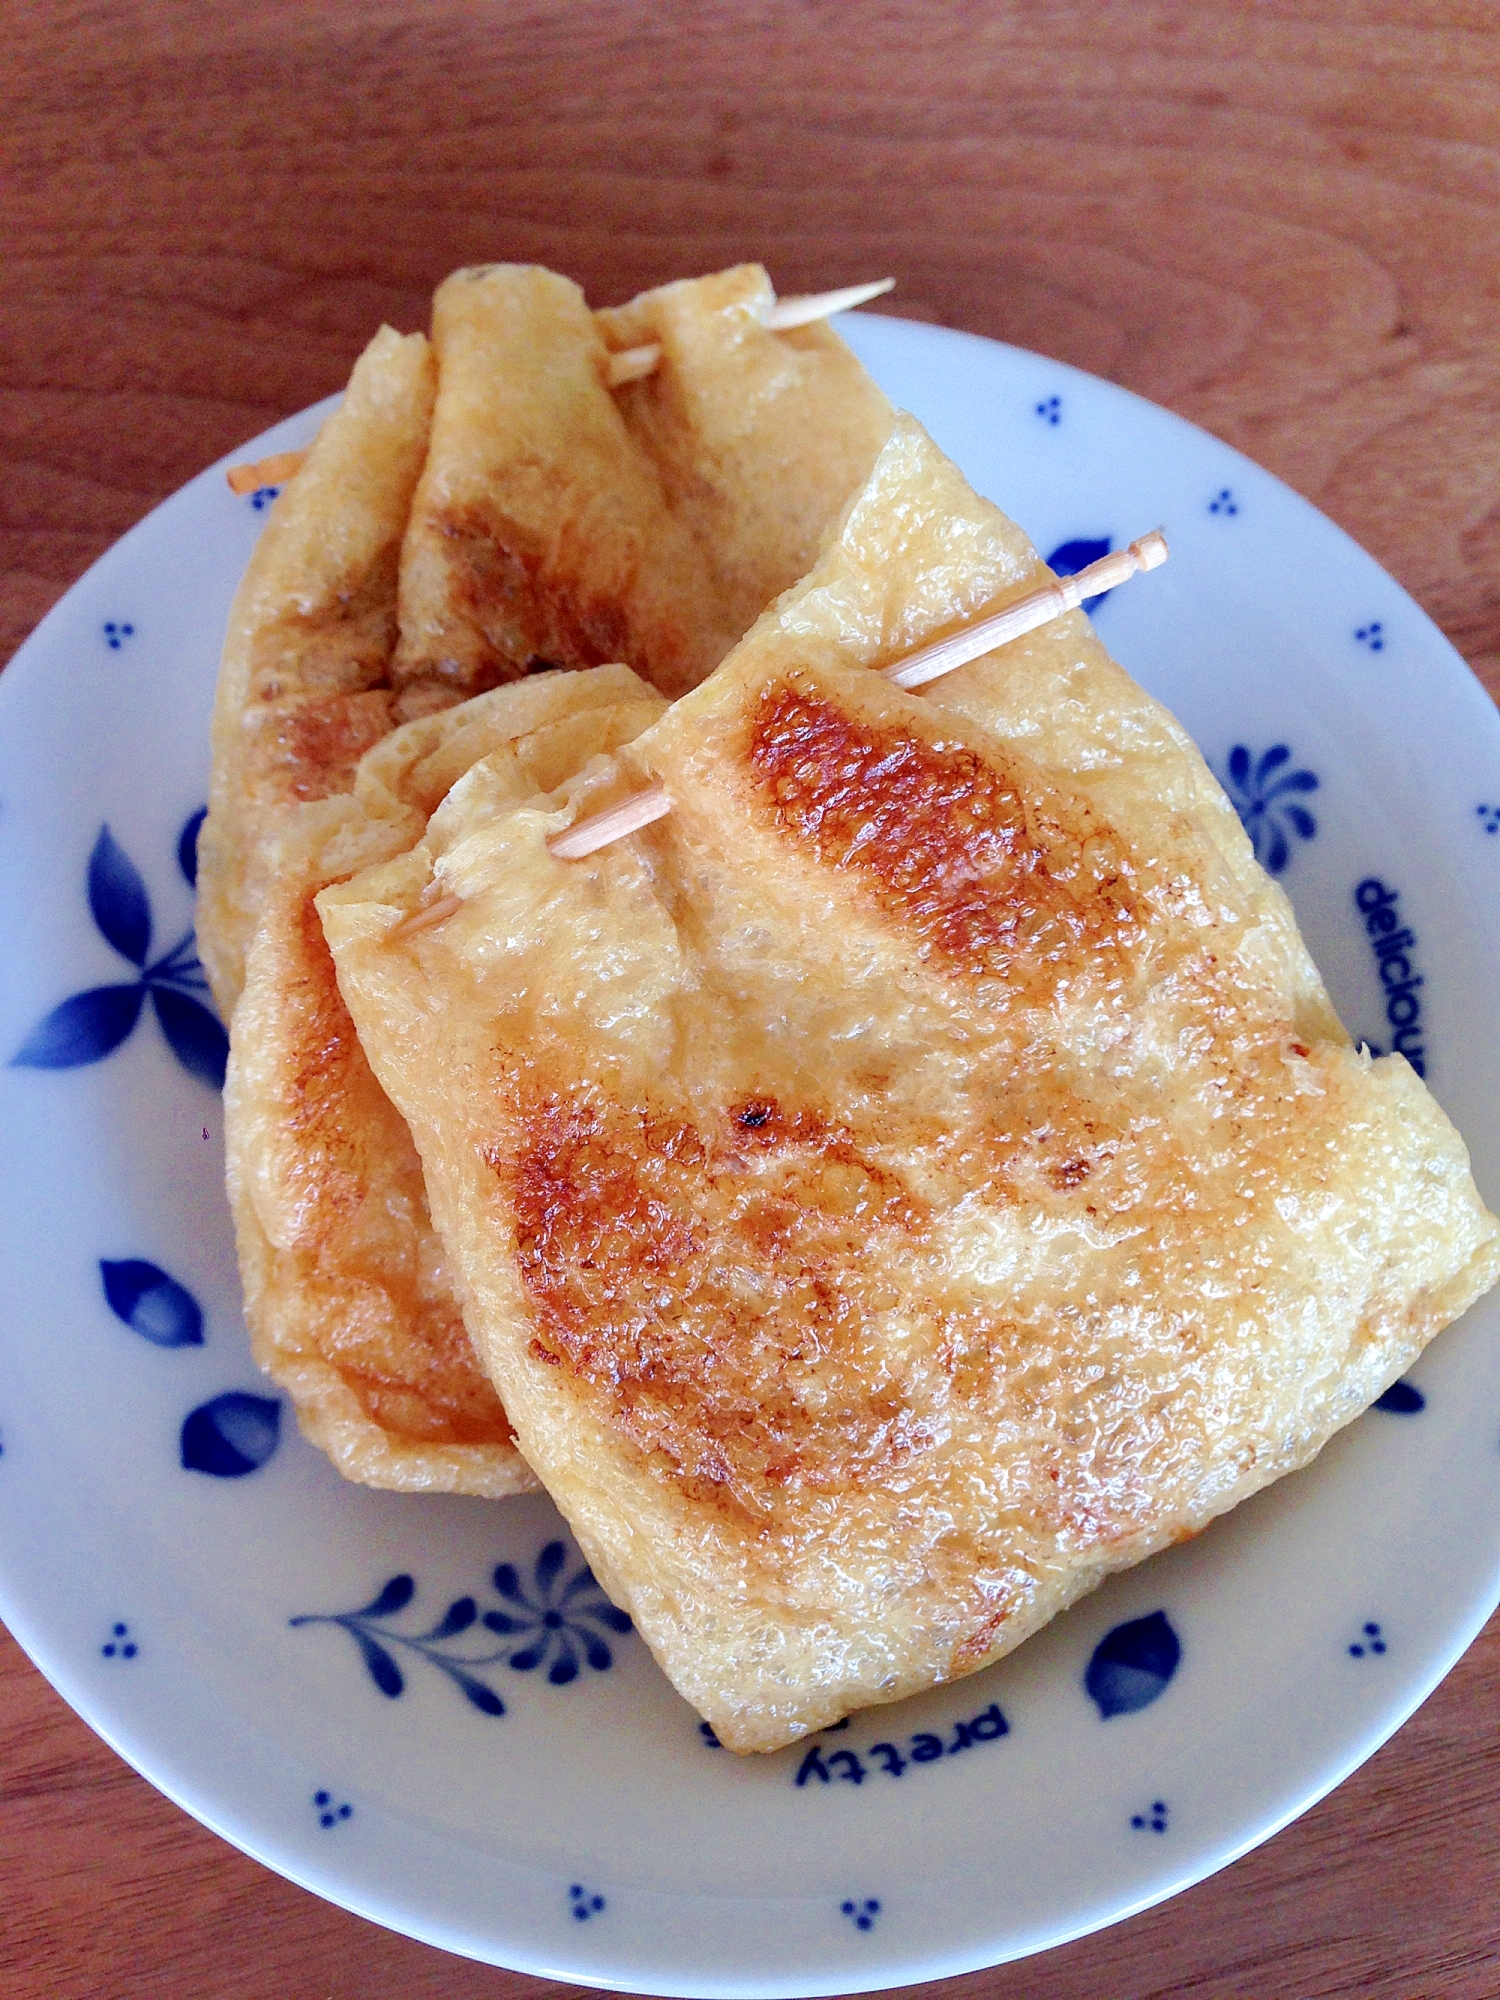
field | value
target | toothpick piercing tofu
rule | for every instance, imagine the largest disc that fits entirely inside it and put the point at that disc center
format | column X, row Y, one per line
column 562, row 522
column 348, row 1295
column 924, row 1172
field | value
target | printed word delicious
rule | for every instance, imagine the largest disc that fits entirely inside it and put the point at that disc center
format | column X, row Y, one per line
column 1394, row 947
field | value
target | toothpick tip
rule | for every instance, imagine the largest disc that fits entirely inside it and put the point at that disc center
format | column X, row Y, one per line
column 1151, row 550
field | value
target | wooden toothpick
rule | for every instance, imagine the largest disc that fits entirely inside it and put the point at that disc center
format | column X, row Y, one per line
column 942, row 657
column 260, row 472
column 633, row 364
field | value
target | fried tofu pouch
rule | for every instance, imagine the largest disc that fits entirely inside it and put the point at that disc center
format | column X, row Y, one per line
column 304, row 682
column 922, row 1174
column 346, row 1289
column 347, row 1292
column 560, row 522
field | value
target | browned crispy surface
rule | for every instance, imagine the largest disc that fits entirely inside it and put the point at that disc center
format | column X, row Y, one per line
column 547, row 530
column 302, row 685
column 349, row 1296
column 923, row 1173
column 560, row 522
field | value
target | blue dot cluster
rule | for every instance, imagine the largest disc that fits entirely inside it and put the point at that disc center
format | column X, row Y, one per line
column 119, row 1646
column 1369, row 1641
column 862, row 1914
column 1155, row 1820
column 1223, row 502
column 582, row 1904
column 1050, row 409
column 328, row 1813
column 1372, row 635
column 1489, row 817
column 116, row 635
column 263, row 496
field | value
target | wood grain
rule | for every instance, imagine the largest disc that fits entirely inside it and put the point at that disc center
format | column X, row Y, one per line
column 1278, row 219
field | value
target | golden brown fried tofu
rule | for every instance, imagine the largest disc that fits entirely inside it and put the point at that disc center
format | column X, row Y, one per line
column 545, row 510
column 563, row 523
column 348, row 1295
column 921, row 1175
column 304, row 682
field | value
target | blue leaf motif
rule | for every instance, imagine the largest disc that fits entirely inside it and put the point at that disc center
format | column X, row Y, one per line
column 500, row 1621
column 1132, row 1664
column 565, row 1667
column 196, row 1038
column 612, row 1616
column 484, row 1699
column 459, row 1616
column 154, row 1305
column 508, row 1583
column 548, row 1563
column 118, row 899
column 384, row 1672
column 1402, row 1399
column 1272, row 760
column 1239, row 765
column 84, row 1029
column 187, row 846
column 394, row 1596
column 233, row 1434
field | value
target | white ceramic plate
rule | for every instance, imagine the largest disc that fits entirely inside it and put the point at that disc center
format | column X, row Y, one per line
column 212, row 1598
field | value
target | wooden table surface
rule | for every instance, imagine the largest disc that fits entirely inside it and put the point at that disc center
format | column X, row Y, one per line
column 1279, row 217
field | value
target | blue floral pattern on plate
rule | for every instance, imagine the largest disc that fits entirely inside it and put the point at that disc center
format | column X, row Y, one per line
column 231, row 1435
column 1265, row 795
column 558, row 1621
column 1132, row 1664
column 88, row 1026
column 152, row 1304
column 861, row 1911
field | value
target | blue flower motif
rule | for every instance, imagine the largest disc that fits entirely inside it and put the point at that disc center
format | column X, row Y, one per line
column 1068, row 558
column 558, row 1621
column 152, row 1304
column 231, row 1435
column 1402, row 1399
column 1265, row 803
column 88, row 1026
column 1132, row 1664
column 375, row 1637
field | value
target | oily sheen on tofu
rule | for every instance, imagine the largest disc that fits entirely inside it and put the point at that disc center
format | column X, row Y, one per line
column 561, row 522
column 924, row 1172
column 554, row 520
column 348, row 1294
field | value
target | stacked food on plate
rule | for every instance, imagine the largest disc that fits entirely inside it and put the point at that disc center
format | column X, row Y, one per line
column 918, row 1173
